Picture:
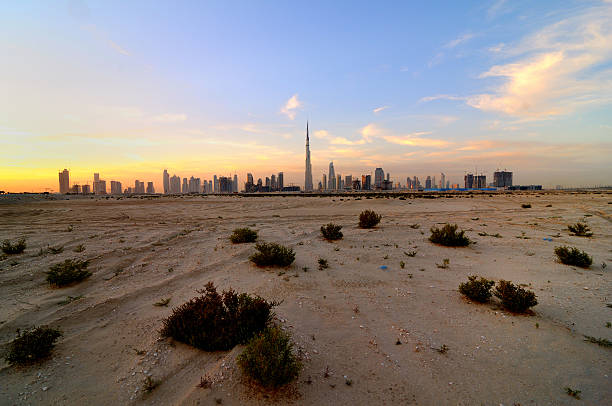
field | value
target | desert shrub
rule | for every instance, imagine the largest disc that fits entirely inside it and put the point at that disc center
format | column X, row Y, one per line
column 369, row 219
column 573, row 256
column 31, row 345
column 515, row 298
column 67, row 272
column 214, row 322
column 272, row 254
column 268, row 359
column 526, row 206
column 449, row 236
column 323, row 264
column 10, row 249
column 477, row 289
column 331, row 232
column 56, row 250
column 580, row 230
column 242, row 235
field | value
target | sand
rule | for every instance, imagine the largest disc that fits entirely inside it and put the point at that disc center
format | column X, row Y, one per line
column 346, row 319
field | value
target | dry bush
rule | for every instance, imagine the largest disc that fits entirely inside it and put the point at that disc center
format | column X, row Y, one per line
column 272, row 254
column 477, row 289
column 11, row 249
column 32, row 345
column 243, row 235
column 515, row 298
column 449, row 236
column 369, row 219
column 68, row 272
column 331, row 232
column 573, row 256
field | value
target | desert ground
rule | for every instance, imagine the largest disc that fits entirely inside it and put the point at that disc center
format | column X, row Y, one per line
column 346, row 319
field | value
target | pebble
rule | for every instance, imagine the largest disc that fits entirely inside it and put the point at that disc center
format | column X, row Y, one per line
column 44, row 388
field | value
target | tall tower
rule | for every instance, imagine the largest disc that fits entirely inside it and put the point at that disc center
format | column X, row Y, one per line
column 308, row 169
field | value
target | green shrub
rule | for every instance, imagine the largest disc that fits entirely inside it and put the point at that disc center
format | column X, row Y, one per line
column 369, row 219
column 242, row 235
column 449, row 236
column 268, row 359
column 331, row 232
column 515, row 298
column 478, row 290
column 272, row 254
column 580, row 230
column 67, row 272
column 573, row 256
column 32, row 345
column 11, row 249
column 217, row 322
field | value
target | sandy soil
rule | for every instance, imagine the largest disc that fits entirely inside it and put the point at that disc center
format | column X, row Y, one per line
column 347, row 318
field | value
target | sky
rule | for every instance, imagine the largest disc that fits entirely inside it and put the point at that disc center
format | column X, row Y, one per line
column 130, row 88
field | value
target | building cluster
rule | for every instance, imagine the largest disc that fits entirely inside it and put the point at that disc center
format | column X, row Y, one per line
column 99, row 186
column 219, row 184
column 273, row 183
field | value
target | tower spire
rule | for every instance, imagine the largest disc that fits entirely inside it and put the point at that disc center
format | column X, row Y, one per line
column 307, row 139
column 308, row 167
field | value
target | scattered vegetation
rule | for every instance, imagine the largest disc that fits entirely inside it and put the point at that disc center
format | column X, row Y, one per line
column 162, row 302
column 515, row 298
column 79, row 248
column 485, row 234
column 604, row 342
column 268, row 359
column 478, row 290
column 243, row 235
column 526, row 206
column 67, row 272
column 331, row 232
column 575, row 393
column 323, row 264
column 414, row 226
column 402, row 264
column 272, row 254
column 573, row 256
column 217, row 322
column 150, row 384
column 444, row 264
column 70, row 299
column 443, row 349
column 69, row 229
column 580, row 230
column 11, row 249
column 449, row 236
column 56, row 250
column 369, row 219
column 410, row 253
column 31, row 345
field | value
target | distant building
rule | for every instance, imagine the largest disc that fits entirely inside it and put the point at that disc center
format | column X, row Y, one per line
column 428, row 183
column 366, row 182
column 324, row 182
column 139, row 187
column 339, row 185
column 216, row 184
column 469, row 181
column 175, row 185
column 185, row 188
column 235, row 184
column 116, row 188
column 502, row 179
column 481, row 181
column 225, row 185
column 442, row 180
column 332, row 177
column 166, row 182
column 64, row 181
column 307, row 165
column 85, row 189
column 101, row 187
column 150, row 188
column 281, row 180
column 194, row 185
column 76, row 189
column 356, row 184
column 348, row 182
column 379, row 176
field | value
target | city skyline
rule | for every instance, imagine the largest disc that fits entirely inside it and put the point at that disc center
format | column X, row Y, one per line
column 415, row 89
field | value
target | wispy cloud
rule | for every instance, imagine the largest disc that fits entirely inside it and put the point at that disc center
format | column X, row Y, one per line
column 321, row 134
column 496, row 9
column 170, row 118
column 103, row 37
column 440, row 97
column 459, row 40
column 379, row 109
column 290, row 108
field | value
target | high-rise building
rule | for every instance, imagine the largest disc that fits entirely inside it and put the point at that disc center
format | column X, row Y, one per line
column 101, row 187
column 442, row 180
column 324, row 182
column 225, row 185
column 273, row 182
column 96, row 184
column 216, row 184
column 348, row 181
column 428, row 182
column 150, row 188
column 356, row 184
column 175, row 185
column 366, row 182
column 267, row 182
column 481, row 181
column 469, row 181
column 166, row 182
column 332, row 177
column 379, row 176
column 185, row 188
column 308, row 168
column 235, row 184
column 339, row 182
column 116, row 188
column 76, row 189
column 64, row 181
column 281, row 180
column 85, row 189
column 502, row 178
column 139, row 187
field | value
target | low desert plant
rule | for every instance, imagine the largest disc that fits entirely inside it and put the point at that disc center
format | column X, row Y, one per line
column 444, row 264
column 604, row 342
column 323, row 264
column 162, row 302
column 67, row 272
column 56, row 250
column 331, row 232
column 242, row 235
column 573, row 256
column 410, row 253
column 402, row 264
column 369, row 219
column 31, row 345
column 477, row 289
column 217, row 322
column 11, row 249
column 580, row 230
column 149, row 384
column 526, row 206
column 268, row 359
column 79, row 248
column 515, row 298
column 272, row 254
column 575, row 393
column 449, row 236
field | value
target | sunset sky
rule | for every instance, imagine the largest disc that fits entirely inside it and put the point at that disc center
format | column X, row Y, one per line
column 129, row 88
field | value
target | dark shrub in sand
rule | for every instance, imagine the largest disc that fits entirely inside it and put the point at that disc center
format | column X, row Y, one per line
column 477, row 289
column 242, row 235
column 369, row 219
column 449, row 236
column 31, row 345
column 272, row 254
column 68, row 272
column 515, row 298
column 573, row 256
column 331, row 232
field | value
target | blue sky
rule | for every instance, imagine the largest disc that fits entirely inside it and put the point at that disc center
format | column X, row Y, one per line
column 129, row 88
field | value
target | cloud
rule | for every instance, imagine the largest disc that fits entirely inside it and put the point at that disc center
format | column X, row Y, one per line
column 170, row 118
column 416, row 140
column 379, row 109
column 321, row 134
column 496, row 9
column 555, row 70
column 289, row 109
column 459, row 40
column 440, row 97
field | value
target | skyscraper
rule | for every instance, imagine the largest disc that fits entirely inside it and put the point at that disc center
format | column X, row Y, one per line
column 379, row 176
column 216, row 184
column 64, row 181
column 150, row 188
column 332, row 177
column 185, row 188
column 96, row 184
column 281, row 181
column 428, row 183
column 442, row 181
column 235, row 184
column 324, row 183
column 308, row 169
column 502, row 179
column 175, row 184
column 166, row 182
